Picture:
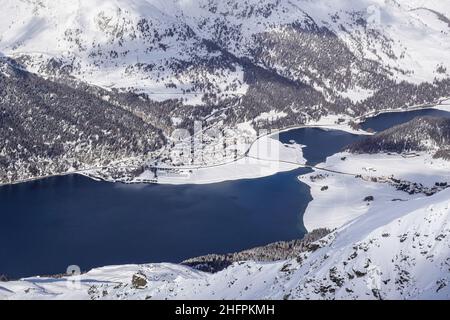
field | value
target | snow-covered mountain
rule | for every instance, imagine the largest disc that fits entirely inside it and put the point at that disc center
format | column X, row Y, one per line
column 139, row 45
column 343, row 49
column 49, row 128
column 399, row 252
column 103, row 83
column 265, row 64
column 430, row 134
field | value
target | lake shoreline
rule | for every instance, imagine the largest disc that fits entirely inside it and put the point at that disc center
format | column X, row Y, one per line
column 442, row 104
column 255, row 211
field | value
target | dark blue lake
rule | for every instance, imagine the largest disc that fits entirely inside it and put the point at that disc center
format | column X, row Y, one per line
column 50, row 224
column 387, row 120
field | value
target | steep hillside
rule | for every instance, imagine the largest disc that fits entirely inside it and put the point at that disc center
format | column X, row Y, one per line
column 420, row 134
column 50, row 128
column 206, row 52
column 264, row 64
column 128, row 45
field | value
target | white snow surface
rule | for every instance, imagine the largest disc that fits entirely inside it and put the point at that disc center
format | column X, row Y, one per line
column 266, row 157
column 344, row 199
column 445, row 105
column 100, row 38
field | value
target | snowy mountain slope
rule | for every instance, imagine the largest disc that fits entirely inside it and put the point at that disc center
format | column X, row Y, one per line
column 399, row 252
column 374, row 181
column 420, row 134
column 397, row 164
column 121, row 44
column 344, row 49
column 49, row 128
column 282, row 35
